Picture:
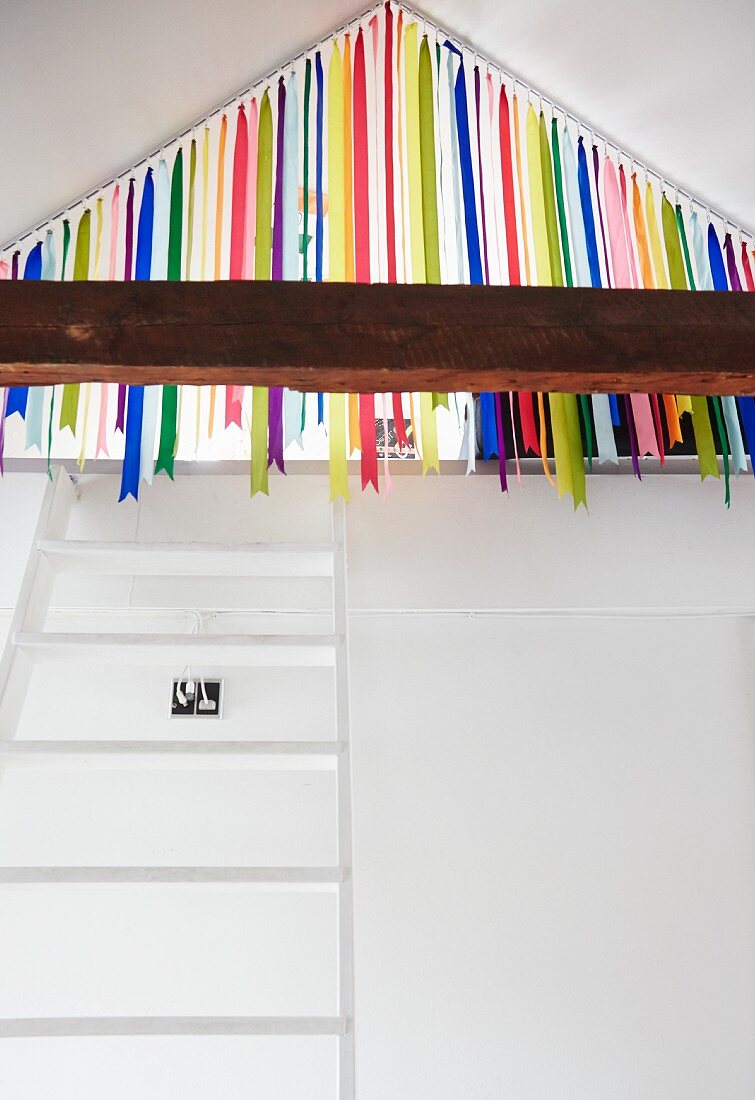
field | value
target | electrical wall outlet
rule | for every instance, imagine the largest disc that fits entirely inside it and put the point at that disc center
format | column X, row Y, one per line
column 196, row 707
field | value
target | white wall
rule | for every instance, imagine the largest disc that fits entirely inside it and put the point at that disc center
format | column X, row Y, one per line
column 555, row 814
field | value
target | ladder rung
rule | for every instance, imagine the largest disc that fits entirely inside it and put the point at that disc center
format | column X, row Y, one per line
column 315, row 877
column 49, row 1026
column 291, row 650
column 190, row 559
column 217, row 755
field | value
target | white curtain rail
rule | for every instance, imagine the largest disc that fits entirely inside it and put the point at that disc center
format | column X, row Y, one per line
column 665, row 183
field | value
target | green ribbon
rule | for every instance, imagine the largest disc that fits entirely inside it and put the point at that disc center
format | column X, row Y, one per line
column 66, row 246
column 560, row 202
column 685, row 246
column 69, row 409
column 587, row 420
column 169, row 412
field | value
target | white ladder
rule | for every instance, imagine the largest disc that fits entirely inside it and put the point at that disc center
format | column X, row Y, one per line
column 28, row 642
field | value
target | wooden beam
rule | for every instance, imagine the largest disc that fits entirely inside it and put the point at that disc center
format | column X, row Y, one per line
column 346, row 337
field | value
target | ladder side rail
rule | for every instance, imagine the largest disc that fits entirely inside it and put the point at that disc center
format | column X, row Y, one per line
column 346, row 1055
column 33, row 600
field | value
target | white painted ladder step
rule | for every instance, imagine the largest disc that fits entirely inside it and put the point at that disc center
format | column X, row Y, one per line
column 65, row 1026
column 285, row 650
column 300, row 877
column 219, row 755
column 190, row 559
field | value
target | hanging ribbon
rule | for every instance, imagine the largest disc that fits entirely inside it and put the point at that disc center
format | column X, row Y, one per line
column 390, row 211
column 560, row 204
column 251, row 190
column 190, row 210
column 220, row 196
column 337, row 248
column 169, row 414
column 305, row 169
column 239, row 195
column 262, row 261
column 275, row 399
column 467, row 176
column 747, row 268
column 367, row 429
column 18, row 396
column 549, row 200
column 131, row 459
column 731, row 263
column 413, row 152
column 479, row 171
column 70, row 406
column 596, row 174
column 115, row 210
column 507, row 184
column 461, row 271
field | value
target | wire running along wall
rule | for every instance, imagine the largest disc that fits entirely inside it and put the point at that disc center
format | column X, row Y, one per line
column 388, row 152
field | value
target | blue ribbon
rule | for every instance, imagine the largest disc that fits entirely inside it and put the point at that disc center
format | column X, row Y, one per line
column 144, row 232
column 467, row 172
column 747, row 412
column 19, row 395
column 585, row 197
column 717, row 269
column 131, row 458
column 488, row 424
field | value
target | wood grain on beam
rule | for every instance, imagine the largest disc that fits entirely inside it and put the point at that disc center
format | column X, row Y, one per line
column 345, row 337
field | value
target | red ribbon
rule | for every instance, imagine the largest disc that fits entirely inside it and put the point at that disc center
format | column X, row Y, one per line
column 527, row 418
column 509, row 210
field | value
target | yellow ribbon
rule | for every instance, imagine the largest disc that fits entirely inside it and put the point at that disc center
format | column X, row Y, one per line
column 537, row 201
column 339, row 482
column 661, row 278
column 429, row 430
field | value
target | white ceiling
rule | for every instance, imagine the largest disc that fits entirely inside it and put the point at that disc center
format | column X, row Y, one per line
column 89, row 86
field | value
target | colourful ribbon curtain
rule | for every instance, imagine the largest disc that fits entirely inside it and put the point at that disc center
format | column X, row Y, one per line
column 427, row 168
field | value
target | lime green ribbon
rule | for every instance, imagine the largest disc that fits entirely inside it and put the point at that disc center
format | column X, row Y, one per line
column 262, row 258
column 430, row 232
column 69, row 409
